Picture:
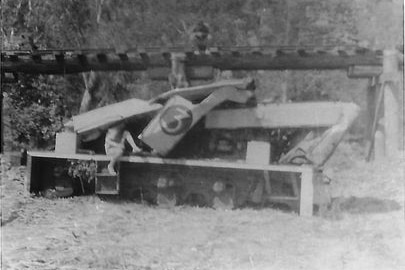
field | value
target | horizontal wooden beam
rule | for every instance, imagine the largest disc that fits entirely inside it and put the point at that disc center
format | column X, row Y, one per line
column 104, row 117
column 202, row 91
column 284, row 115
column 183, row 162
column 226, row 58
column 192, row 73
column 364, row 71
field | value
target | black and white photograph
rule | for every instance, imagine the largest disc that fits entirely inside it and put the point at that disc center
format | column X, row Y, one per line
column 202, row 134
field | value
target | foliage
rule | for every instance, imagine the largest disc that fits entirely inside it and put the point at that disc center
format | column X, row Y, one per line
column 84, row 171
column 37, row 107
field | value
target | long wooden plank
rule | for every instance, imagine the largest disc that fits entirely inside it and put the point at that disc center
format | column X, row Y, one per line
column 283, row 115
column 224, row 58
column 192, row 73
column 27, row 180
column 392, row 108
column 111, row 114
column 243, row 165
column 202, row 91
column 307, row 193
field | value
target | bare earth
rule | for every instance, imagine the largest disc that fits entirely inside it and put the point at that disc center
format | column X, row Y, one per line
column 366, row 231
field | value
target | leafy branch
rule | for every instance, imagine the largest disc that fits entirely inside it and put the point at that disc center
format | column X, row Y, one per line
column 83, row 170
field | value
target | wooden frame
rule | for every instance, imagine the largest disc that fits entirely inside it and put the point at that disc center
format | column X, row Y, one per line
column 224, row 58
column 283, row 115
column 307, row 172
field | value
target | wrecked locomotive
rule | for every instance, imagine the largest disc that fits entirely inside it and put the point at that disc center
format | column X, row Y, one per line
column 209, row 145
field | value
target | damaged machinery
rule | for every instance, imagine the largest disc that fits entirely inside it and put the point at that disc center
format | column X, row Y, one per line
column 209, row 145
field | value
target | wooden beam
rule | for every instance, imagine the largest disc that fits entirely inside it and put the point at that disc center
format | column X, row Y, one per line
column 192, row 73
column 184, row 162
column 306, row 194
column 375, row 125
column 391, row 120
column 379, row 141
column 371, row 105
column 28, row 173
column 358, row 72
column 284, row 115
column 232, row 58
column 305, row 197
column 104, row 117
column 391, row 103
column 202, row 91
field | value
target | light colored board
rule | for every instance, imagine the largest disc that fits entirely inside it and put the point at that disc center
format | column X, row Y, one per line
column 391, row 103
column 66, row 142
column 241, row 164
column 364, row 71
column 202, row 91
column 102, row 118
column 371, row 104
column 392, row 92
column 391, row 121
column 319, row 149
column 284, row 115
column 258, row 152
column 282, row 198
column 193, row 73
column 27, row 180
column 379, row 148
column 307, row 193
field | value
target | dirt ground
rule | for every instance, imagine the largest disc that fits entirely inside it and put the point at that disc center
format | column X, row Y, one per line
column 366, row 231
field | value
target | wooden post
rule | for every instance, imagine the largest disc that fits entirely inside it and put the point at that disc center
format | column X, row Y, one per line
column 28, row 174
column 401, row 91
column 307, row 193
column 284, row 87
column 379, row 149
column 371, row 105
column 1, row 116
column 177, row 78
column 375, row 125
column 391, row 106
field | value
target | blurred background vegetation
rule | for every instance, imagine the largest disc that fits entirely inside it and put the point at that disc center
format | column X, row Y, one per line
column 36, row 107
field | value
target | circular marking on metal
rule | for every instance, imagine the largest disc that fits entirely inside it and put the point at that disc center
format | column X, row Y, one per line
column 176, row 120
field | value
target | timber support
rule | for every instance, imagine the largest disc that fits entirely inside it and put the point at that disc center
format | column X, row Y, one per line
column 390, row 77
column 224, row 58
column 177, row 77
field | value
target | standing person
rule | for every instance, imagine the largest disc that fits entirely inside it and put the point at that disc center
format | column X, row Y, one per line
column 115, row 144
column 200, row 37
